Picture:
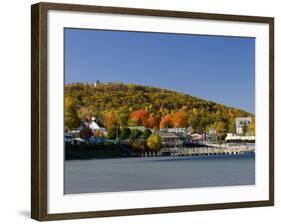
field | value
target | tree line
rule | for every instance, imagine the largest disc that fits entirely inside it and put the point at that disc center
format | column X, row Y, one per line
column 119, row 105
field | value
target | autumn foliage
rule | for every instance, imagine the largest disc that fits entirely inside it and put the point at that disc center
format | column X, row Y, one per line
column 152, row 122
column 166, row 121
column 139, row 117
column 112, row 120
column 118, row 105
column 180, row 119
column 71, row 117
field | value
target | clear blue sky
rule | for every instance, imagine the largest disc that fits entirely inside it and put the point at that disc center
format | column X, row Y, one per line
column 221, row 69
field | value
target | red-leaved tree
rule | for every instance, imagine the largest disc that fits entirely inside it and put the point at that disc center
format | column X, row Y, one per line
column 180, row 119
column 139, row 117
column 166, row 121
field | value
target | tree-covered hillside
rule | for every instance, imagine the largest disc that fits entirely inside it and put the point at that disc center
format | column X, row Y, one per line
column 118, row 104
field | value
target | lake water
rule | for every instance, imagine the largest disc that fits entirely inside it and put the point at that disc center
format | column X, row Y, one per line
column 132, row 174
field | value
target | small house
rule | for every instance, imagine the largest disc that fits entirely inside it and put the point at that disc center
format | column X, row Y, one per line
column 94, row 126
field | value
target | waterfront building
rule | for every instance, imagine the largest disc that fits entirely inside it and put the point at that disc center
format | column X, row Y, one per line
column 212, row 131
column 170, row 139
column 241, row 122
column 196, row 138
column 178, row 130
column 235, row 138
column 94, row 126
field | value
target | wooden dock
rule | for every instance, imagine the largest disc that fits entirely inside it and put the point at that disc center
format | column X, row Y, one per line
column 202, row 151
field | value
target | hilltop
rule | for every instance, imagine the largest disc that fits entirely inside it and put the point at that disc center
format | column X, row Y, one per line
column 131, row 103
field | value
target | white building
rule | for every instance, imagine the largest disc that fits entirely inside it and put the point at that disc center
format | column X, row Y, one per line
column 95, row 125
column 212, row 131
column 170, row 139
column 178, row 130
column 230, row 137
column 240, row 122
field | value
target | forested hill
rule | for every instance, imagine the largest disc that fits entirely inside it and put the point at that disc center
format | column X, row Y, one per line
column 125, row 99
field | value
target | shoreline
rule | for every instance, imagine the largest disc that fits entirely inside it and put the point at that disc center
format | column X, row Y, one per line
column 81, row 155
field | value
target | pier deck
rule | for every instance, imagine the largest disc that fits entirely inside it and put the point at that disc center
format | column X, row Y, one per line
column 202, row 151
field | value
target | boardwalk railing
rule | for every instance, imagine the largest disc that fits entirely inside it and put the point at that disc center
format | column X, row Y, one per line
column 202, row 151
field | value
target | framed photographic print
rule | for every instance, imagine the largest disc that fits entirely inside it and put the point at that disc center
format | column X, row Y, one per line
column 140, row 111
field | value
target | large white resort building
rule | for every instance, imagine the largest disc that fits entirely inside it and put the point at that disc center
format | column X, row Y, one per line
column 240, row 122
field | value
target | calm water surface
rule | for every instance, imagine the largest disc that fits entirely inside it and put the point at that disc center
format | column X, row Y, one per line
column 131, row 174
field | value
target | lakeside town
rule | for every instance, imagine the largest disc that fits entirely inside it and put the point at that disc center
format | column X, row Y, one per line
column 152, row 111
column 139, row 140
column 116, row 129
